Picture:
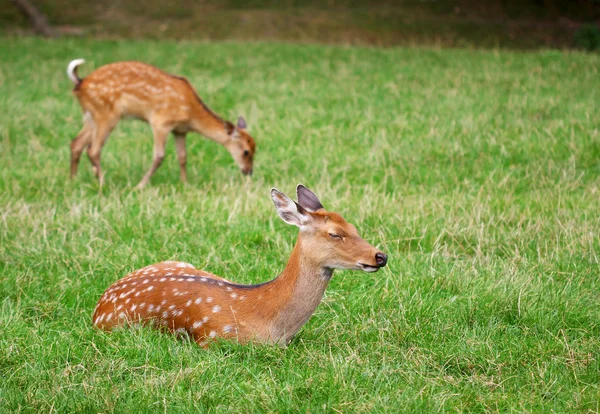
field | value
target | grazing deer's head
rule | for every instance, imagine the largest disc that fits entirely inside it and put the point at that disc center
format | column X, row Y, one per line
column 241, row 145
column 328, row 240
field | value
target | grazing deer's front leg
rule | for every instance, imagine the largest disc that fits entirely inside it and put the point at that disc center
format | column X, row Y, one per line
column 181, row 154
column 160, row 140
column 102, row 130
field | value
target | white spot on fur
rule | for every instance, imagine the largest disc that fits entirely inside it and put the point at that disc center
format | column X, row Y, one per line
column 216, row 308
column 208, row 299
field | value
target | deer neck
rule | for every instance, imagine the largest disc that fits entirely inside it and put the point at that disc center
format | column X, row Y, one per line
column 204, row 121
column 297, row 291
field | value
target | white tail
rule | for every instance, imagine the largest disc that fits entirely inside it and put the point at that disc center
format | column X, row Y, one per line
column 72, row 70
column 168, row 103
column 182, row 299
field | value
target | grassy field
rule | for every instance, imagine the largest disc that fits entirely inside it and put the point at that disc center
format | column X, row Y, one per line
column 477, row 172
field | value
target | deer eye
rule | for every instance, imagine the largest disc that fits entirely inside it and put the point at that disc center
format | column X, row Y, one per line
column 335, row 236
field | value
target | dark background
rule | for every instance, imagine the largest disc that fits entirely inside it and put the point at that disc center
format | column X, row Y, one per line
column 458, row 23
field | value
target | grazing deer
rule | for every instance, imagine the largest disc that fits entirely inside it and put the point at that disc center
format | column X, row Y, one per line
column 177, row 297
column 168, row 103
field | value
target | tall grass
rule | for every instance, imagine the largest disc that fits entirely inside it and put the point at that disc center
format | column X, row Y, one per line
column 477, row 172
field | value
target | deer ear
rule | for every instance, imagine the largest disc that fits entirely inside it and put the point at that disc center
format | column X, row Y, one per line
column 229, row 128
column 242, row 123
column 308, row 199
column 288, row 210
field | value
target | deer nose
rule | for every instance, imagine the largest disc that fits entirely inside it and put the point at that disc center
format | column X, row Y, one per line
column 381, row 259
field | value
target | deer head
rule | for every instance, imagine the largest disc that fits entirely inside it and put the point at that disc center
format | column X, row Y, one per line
column 327, row 240
column 241, row 145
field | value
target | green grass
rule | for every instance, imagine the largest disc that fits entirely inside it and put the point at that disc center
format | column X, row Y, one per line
column 477, row 172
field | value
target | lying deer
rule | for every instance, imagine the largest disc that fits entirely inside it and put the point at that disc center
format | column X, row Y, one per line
column 177, row 297
column 168, row 103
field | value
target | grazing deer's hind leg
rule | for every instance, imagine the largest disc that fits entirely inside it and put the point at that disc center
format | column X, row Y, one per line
column 181, row 155
column 81, row 141
column 160, row 140
column 78, row 144
column 102, row 130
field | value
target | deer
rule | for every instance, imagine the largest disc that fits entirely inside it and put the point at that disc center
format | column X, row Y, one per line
column 177, row 297
column 168, row 103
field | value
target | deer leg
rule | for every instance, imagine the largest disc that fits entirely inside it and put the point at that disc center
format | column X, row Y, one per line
column 181, row 155
column 78, row 144
column 160, row 140
column 101, row 133
column 81, row 141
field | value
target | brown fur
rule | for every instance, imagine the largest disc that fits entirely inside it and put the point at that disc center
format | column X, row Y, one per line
column 168, row 103
column 180, row 298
